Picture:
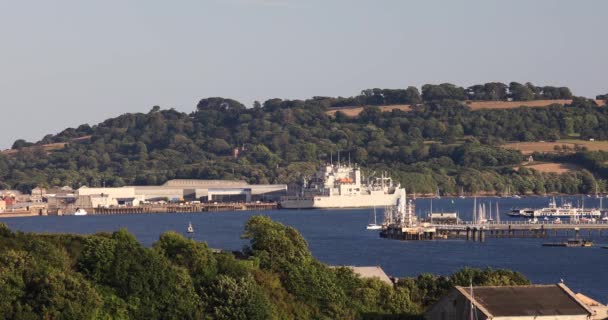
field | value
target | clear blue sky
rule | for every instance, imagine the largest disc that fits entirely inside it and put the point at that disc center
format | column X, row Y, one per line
column 65, row 63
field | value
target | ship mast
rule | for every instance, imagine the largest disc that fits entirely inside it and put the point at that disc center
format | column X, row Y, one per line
column 474, row 210
column 497, row 213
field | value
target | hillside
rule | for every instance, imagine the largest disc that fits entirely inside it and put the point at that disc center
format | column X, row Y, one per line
column 438, row 144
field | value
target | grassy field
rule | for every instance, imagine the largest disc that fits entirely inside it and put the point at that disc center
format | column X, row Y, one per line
column 551, row 167
column 49, row 147
column 548, row 147
column 483, row 105
column 354, row 111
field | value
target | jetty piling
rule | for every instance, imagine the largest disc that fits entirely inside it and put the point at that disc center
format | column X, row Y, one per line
column 481, row 231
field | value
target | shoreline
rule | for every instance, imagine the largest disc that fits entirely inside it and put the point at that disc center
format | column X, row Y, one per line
column 18, row 215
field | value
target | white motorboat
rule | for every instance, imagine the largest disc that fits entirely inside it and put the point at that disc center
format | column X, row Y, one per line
column 190, row 228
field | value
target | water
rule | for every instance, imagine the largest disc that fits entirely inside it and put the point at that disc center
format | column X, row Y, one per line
column 338, row 237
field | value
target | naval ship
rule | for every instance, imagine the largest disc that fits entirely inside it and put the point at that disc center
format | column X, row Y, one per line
column 342, row 186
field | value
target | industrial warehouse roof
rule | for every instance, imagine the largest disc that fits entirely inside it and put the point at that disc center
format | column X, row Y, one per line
column 203, row 183
column 536, row 300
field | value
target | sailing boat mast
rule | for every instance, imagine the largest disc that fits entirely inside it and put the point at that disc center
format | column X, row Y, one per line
column 475, row 210
column 375, row 221
column 497, row 213
column 490, row 214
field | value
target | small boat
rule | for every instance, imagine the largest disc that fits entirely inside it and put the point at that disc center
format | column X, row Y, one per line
column 526, row 212
column 605, row 247
column 570, row 243
column 190, row 228
column 374, row 226
column 80, row 212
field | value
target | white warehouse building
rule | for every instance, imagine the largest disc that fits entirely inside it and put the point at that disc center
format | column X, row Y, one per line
column 180, row 190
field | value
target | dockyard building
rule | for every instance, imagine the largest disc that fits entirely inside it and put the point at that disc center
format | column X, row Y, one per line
column 178, row 191
column 511, row 302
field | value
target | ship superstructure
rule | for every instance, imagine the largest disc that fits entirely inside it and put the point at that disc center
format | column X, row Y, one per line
column 343, row 186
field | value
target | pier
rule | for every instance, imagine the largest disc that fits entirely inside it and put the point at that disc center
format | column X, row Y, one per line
column 480, row 231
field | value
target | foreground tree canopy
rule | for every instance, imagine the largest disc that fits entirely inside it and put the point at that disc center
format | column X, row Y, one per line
column 111, row 276
column 441, row 143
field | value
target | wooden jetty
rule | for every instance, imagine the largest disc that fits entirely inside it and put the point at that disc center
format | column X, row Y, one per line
column 480, row 231
column 183, row 208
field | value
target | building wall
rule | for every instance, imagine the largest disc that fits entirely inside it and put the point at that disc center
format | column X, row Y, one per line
column 95, row 201
column 452, row 306
column 122, row 192
column 229, row 194
column 268, row 192
column 2, row 205
column 159, row 192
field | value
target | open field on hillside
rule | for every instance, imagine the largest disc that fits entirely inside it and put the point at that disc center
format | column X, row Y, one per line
column 48, row 147
column 480, row 105
column 549, row 147
column 552, row 167
column 353, row 111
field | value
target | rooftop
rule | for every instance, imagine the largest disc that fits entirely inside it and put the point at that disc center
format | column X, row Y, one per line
column 371, row 272
column 203, row 183
column 534, row 300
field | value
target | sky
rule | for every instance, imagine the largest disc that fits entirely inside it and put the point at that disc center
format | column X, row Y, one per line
column 64, row 63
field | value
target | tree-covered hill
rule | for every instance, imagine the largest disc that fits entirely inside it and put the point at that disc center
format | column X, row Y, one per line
column 441, row 143
column 111, row 276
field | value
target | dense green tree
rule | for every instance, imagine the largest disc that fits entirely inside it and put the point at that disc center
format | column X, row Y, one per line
column 443, row 91
column 229, row 298
column 110, row 276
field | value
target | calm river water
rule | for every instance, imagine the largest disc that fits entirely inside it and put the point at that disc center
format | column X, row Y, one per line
column 339, row 237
